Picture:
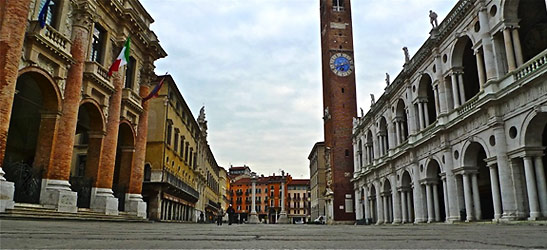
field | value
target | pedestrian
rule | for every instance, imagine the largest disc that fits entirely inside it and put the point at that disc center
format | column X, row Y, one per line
column 230, row 212
column 201, row 218
column 219, row 217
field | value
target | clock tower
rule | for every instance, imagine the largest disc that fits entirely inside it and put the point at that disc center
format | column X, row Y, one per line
column 339, row 105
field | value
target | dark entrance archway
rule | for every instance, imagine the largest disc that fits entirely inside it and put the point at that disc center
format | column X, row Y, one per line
column 373, row 204
column 475, row 157
column 31, row 131
column 434, row 179
column 87, row 151
column 407, row 198
column 533, row 27
column 464, row 60
column 124, row 162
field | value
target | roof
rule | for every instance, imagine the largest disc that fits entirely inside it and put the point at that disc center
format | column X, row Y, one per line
column 303, row 182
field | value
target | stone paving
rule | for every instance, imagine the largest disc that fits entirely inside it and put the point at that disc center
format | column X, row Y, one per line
column 78, row 234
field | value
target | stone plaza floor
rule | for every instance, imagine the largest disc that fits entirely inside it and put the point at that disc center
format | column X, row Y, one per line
column 78, row 234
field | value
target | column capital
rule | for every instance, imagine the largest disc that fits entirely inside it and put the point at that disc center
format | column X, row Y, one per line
column 83, row 14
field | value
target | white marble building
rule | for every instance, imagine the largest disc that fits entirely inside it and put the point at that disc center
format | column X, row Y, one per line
column 460, row 133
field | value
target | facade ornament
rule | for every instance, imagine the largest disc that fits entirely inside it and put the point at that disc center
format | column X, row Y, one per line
column 372, row 100
column 433, row 19
column 83, row 14
column 407, row 56
column 362, row 112
column 387, row 79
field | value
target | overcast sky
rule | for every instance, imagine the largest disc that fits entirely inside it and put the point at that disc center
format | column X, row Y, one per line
column 256, row 66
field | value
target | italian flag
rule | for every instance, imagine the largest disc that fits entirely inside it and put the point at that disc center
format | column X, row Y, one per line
column 122, row 60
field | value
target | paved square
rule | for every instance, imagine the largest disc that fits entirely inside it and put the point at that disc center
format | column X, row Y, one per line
column 77, row 234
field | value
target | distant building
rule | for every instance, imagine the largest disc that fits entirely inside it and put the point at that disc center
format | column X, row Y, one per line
column 268, row 195
column 317, row 181
column 298, row 200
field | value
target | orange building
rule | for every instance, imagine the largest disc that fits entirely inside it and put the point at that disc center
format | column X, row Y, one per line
column 268, row 194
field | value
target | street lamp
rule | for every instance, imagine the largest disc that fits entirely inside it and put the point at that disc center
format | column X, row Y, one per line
column 254, row 217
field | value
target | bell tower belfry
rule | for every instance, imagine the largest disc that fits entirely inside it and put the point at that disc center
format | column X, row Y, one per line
column 339, row 104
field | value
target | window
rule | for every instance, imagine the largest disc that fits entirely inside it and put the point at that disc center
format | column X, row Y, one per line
column 176, row 146
column 130, row 72
column 181, row 149
column 337, row 5
column 97, row 44
column 186, row 152
column 147, row 172
column 169, row 132
column 52, row 12
column 195, row 162
column 190, row 164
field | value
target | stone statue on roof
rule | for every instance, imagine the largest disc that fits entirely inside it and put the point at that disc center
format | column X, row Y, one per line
column 387, row 79
column 362, row 112
column 407, row 56
column 372, row 100
column 433, row 18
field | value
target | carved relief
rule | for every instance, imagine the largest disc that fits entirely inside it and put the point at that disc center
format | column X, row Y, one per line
column 68, row 22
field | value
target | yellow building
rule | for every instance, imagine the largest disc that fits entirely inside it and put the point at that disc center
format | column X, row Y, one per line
column 170, row 181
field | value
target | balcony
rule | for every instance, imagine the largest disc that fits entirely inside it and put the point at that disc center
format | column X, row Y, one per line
column 52, row 39
column 131, row 98
column 180, row 185
column 96, row 73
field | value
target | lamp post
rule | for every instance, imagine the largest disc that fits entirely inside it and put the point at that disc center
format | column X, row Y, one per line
column 254, row 217
column 283, row 219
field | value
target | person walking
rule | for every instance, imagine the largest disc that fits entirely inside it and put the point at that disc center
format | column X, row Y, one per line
column 219, row 217
column 230, row 212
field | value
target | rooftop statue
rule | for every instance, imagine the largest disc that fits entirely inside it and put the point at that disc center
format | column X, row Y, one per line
column 407, row 56
column 433, row 18
column 372, row 101
column 387, row 79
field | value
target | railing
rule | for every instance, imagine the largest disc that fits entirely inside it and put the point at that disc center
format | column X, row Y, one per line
column 469, row 105
column 129, row 94
column 173, row 180
column 56, row 40
column 98, row 73
column 532, row 66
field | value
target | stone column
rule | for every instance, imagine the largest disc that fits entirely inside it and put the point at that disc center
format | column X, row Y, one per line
column 418, row 197
column 398, row 133
column 495, row 192
column 13, row 25
column 283, row 219
column 508, row 196
column 426, row 114
column 509, row 49
column 462, row 89
column 451, row 188
column 379, row 206
column 436, row 96
column 358, row 212
column 367, row 205
column 487, row 46
column 403, row 206
column 517, row 47
column 421, row 115
column 133, row 199
column 386, row 209
column 468, row 197
column 542, row 186
column 428, row 194
column 480, row 68
column 409, row 206
column 102, row 198
column 56, row 190
column 436, row 203
column 396, row 200
column 476, row 197
column 455, row 90
column 531, row 187
column 254, row 217
column 445, row 196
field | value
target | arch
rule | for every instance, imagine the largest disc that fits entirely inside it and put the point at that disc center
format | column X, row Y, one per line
column 426, row 93
column 458, row 50
column 383, row 135
column 31, row 132
column 533, row 125
column 126, row 134
column 470, row 150
column 532, row 21
column 406, row 179
column 97, row 116
column 50, row 90
column 400, row 116
column 433, row 169
column 386, row 185
column 464, row 60
column 124, row 162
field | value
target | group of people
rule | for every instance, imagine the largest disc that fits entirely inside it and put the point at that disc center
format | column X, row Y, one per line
column 230, row 211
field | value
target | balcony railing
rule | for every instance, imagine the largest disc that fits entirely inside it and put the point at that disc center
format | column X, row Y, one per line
column 98, row 74
column 532, row 66
column 176, row 182
column 129, row 96
column 51, row 38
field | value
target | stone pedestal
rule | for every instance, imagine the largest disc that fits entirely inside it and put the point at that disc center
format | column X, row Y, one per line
column 135, row 205
column 57, row 194
column 103, row 200
column 6, row 195
column 283, row 219
column 253, row 219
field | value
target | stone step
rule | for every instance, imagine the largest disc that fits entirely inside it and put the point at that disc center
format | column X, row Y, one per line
column 36, row 211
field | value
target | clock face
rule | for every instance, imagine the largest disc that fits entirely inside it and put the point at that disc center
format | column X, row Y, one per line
column 341, row 64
